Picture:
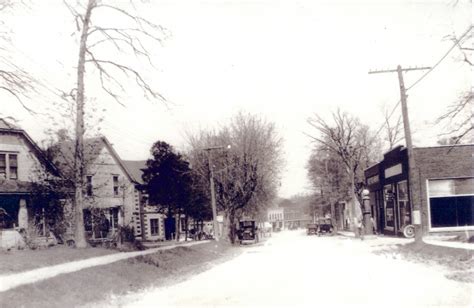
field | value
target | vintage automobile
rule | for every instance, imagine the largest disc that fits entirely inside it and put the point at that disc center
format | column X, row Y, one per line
column 311, row 229
column 324, row 226
column 248, row 232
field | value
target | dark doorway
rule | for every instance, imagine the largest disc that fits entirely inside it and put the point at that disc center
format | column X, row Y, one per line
column 170, row 228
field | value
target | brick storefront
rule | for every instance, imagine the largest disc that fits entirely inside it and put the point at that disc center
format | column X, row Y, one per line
column 444, row 186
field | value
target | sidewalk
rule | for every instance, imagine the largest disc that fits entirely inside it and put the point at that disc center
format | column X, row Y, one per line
column 426, row 240
column 11, row 281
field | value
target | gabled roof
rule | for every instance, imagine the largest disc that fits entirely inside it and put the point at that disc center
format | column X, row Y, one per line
column 64, row 155
column 8, row 128
column 136, row 168
column 64, row 150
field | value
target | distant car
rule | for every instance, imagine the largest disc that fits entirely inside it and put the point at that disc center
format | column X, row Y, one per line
column 311, row 229
column 248, row 232
column 325, row 226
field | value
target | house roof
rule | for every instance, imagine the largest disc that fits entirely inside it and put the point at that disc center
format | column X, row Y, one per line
column 66, row 149
column 136, row 169
column 64, row 155
column 8, row 128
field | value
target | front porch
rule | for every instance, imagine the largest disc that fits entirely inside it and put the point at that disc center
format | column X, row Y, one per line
column 21, row 224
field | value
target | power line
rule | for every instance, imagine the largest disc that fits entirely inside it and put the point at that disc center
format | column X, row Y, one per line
column 388, row 118
column 442, row 58
column 424, row 75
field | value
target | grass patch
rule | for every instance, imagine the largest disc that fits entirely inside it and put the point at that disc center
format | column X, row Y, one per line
column 22, row 260
column 458, row 262
column 98, row 283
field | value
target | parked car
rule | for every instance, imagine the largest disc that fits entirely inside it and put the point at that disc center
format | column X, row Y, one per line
column 311, row 229
column 325, row 226
column 248, row 232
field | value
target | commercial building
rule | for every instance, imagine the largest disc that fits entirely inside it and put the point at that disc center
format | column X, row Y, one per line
column 443, row 187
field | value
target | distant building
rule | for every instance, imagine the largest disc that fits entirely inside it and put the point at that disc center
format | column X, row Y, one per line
column 283, row 218
column 276, row 217
column 295, row 218
column 444, row 189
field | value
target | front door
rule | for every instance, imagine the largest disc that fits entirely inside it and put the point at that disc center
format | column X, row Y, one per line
column 389, row 207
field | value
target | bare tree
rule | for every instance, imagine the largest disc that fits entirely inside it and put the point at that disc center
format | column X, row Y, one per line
column 329, row 179
column 458, row 116
column 393, row 130
column 352, row 142
column 94, row 35
column 13, row 79
column 246, row 175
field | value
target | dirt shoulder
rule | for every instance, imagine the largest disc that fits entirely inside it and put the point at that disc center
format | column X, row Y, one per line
column 100, row 282
column 22, row 260
column 459, row 263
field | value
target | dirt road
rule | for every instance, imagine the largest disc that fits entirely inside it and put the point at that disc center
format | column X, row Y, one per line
column 292, row 269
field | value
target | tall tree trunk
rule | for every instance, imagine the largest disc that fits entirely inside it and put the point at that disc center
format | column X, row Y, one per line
column 232, row 230
column 333, row 214
column 352, row 208
column 79, row 163
column 186, row 229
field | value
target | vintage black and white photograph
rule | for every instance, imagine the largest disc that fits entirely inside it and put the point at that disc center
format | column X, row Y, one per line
column 236, row 153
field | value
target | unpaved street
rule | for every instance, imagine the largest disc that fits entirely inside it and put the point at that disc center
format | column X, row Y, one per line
column 292, row 269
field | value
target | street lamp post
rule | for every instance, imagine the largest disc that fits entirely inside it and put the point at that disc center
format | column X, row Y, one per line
column 213, row 192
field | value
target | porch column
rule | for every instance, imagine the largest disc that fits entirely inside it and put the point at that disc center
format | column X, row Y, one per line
column 23, row 215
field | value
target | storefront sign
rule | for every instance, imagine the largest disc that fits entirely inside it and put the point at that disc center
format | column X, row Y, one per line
column 392, row 171
column 416, row 217
column 373, row 179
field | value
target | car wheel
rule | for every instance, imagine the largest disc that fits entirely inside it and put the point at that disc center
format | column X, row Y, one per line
column 409, row 231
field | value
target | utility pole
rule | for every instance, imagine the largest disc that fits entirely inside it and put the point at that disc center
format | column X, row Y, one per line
column 213, row 192
column 416, row 207
column 213, row 195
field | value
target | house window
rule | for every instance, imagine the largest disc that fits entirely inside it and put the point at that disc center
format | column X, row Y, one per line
column 154, row 226
column 3, row 166
column 114, row 218
column 116, row 185
column 451, row 202
column 8, row 166
column 89, row 186
column 87, row 220
column 13, row 162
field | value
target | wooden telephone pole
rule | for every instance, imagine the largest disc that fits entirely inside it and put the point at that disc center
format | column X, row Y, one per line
column 416, row 206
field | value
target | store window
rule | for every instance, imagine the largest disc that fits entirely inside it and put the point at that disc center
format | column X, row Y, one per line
column 154, row 226
column 404, row 212
column 451, row 202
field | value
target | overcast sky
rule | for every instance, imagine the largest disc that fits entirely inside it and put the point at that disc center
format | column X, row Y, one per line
column 284, row 60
